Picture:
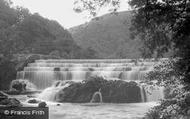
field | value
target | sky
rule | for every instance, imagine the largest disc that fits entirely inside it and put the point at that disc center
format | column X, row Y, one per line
column 59, row 10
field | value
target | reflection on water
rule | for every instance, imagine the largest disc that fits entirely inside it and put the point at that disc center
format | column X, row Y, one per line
column 100, row 111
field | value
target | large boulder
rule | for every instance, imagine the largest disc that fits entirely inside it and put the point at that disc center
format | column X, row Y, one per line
column 21, row 85
column 121, row 92
column 113, row 91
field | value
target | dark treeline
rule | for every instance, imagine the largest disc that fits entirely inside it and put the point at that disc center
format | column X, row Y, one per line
column 23, row 32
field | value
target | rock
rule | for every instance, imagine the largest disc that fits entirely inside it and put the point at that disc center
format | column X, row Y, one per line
column 12, row 102
column 18, row 85
column 33, row 101
column 113, row 91
column 30, row 96
column 13, row 92
column 21, row 86
column 57, row 69
column 91, row 69
column 42, row 104
column 3, row 96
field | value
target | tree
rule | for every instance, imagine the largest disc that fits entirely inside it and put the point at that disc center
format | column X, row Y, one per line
column 94, row 6
column 162, row 25
column 9, row 18
column 24, row 33
column 89, row 53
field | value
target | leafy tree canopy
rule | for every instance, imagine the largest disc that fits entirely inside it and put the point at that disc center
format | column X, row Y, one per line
column 163, row 25
column 22, row 32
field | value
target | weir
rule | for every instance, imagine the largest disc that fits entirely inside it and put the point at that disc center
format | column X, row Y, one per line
column 43, row 73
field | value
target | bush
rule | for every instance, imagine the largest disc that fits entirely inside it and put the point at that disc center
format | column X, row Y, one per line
column 153, row 114
column 175, row 108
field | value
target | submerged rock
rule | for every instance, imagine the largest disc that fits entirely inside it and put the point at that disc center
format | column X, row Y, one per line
column 30, row 96
column 33, row 101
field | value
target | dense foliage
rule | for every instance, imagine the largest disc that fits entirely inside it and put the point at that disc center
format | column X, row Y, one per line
column 109, row 36
column 7, row 73
column 24, row 33
column 163, row 26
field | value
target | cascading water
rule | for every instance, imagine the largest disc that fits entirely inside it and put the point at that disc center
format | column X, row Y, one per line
column 97, row 97
column 43, row 73
column 78, row 72
column 143, row 94
column 49, row 93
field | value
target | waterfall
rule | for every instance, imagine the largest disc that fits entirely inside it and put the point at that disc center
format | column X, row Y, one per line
column 49, row 94
column 43, row 73
column 21, row 75
column 97, row 97
column 143, row 94
column 78, row 72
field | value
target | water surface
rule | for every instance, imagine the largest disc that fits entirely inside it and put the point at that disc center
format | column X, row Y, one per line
column 100, row 111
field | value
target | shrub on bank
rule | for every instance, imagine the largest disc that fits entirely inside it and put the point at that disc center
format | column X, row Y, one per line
column 175, row 108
